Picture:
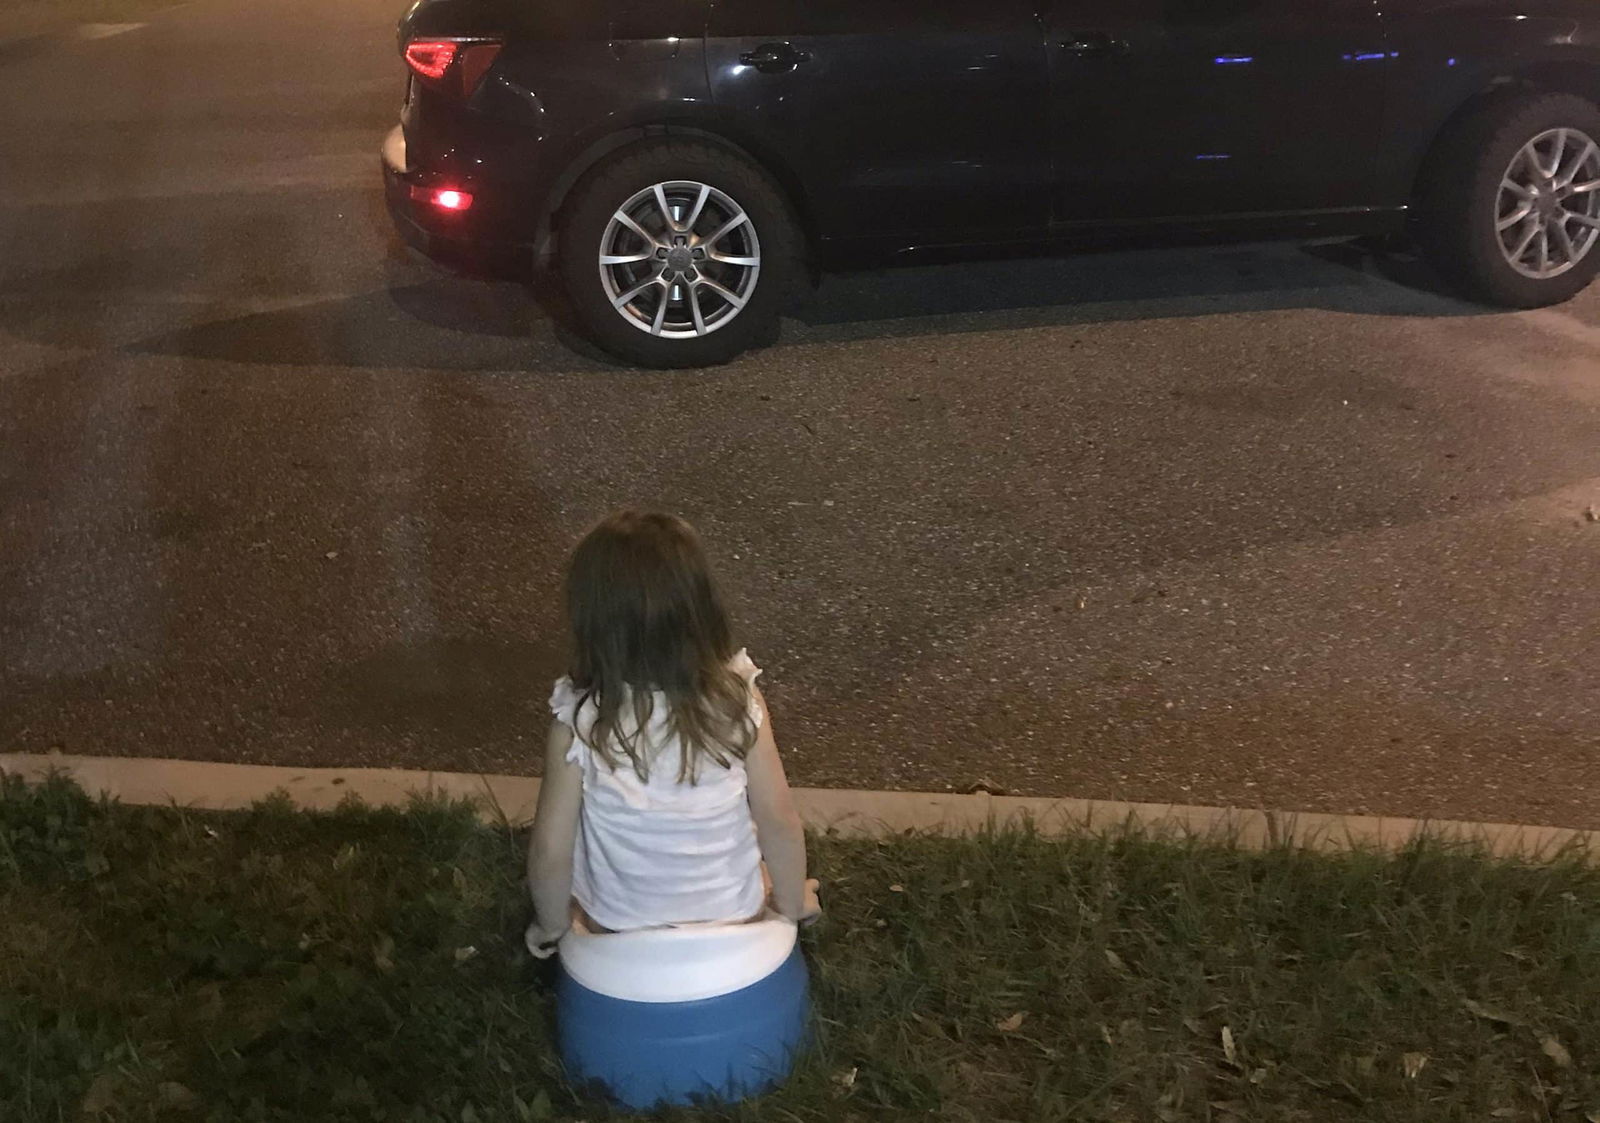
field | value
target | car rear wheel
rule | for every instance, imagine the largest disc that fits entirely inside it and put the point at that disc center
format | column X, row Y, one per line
column 678, row 254
column 1511, row 201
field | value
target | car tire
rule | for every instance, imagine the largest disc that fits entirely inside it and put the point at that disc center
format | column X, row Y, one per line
column 706, row 286
column 1464, row 202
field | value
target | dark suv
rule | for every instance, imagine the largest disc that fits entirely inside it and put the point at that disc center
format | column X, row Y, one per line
column 690, row 161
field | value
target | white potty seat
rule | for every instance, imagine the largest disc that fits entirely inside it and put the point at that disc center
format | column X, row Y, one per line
column 682, row 964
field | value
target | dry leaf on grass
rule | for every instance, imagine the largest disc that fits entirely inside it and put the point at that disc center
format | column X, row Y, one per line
column 1229, row 1049
column 174, row 1094
column 102, row 1093
column 1556, row 1051
column 1490, row 1014
column 847, row 1078
column 1011, row 1024
column 1413, row 1064
column 1116, row 963
column 897, row 888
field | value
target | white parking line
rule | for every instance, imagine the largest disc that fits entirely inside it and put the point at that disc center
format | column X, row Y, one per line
column 105, row 30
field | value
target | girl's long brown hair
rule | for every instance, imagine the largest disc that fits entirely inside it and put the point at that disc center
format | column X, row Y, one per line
column 646, row 617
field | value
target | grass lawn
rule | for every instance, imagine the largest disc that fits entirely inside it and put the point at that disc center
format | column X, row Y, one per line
column 367, row 965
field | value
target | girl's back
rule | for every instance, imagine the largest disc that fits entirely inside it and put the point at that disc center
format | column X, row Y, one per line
column 657, row 849
column 663, row 791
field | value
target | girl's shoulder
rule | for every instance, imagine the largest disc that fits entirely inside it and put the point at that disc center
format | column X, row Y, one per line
column 565, row 699
column 742, row 665
column 745, row 667
column 565, row 702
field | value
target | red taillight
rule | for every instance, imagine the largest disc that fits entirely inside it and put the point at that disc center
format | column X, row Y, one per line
column 442, row 198
column 451, row 65
column 430, row 58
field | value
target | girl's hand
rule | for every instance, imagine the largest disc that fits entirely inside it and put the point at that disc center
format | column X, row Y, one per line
column 811, row 911
column 542, row 941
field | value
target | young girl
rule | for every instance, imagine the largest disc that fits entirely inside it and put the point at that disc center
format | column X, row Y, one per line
column 663, row 793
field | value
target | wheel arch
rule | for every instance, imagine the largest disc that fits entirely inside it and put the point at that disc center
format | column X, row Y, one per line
column 737, row 142
column 1578, row 76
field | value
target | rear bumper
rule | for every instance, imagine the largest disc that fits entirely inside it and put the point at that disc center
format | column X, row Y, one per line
column 452, row 240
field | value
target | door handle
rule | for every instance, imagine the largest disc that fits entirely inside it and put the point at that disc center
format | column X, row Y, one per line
column 775, row 58
column 1094, row 44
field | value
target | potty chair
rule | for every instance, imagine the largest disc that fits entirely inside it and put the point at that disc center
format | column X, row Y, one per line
column 672, row 1015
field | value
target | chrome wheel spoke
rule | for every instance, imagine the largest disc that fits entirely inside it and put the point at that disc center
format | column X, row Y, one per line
column 1517, row 189
column 734, row 299
column 1516, row 216
column 1588, row 150
column 1564, row 241
column 1557, row 148
column 624, row 259
column 1527, row 241
column 1584, row 188
column 697, row 209
column 1529, row 155
column 694, row 309
column 665, row 207
column 627, row 220
column 724, row 259
column 661, row 312
column 1544, row 250
column 1589, row 220
column 732, row 224
column 628, row 297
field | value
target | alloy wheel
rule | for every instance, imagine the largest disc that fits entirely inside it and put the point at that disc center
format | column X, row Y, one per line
column 1547, row 211
column 679, row 259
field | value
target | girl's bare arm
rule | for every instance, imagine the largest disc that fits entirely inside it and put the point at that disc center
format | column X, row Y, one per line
column 551, row 842
column 778, row 828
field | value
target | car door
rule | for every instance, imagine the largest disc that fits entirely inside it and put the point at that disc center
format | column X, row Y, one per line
column 914, row 121
column 1189, row 108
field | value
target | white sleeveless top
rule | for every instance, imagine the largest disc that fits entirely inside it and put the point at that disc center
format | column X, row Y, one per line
column 659, row 852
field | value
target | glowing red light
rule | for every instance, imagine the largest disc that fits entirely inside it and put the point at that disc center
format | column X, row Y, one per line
column 431, row 58
column 443, row 198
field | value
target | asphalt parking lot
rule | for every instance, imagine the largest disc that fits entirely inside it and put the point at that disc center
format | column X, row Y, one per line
column 1270, row 525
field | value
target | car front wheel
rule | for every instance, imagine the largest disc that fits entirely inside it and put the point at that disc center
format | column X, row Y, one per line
column 1511, row 201
column 678, row 254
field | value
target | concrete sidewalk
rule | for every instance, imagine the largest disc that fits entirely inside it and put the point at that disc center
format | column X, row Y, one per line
column 863, row 813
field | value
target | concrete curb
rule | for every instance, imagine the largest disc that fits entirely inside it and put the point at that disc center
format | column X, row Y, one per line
column 859, row 813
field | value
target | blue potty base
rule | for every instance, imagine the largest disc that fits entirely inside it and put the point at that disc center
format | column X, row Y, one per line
column 648, row 1053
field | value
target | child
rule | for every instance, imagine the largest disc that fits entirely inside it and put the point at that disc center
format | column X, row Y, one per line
column 663, row 793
